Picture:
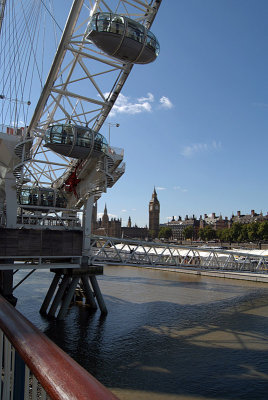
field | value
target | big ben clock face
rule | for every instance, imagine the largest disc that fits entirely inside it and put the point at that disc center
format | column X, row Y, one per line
column 156, row 207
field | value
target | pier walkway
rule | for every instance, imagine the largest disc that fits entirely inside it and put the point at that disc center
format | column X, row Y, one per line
column 107, row 250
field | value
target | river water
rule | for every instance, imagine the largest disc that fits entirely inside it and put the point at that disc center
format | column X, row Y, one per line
column 167, row 335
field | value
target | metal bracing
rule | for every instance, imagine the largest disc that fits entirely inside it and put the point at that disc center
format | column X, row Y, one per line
column 81, row 88
column 110, row 250
column 83, row 83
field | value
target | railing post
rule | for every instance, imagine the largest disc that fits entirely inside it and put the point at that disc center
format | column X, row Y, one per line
column 19, row 378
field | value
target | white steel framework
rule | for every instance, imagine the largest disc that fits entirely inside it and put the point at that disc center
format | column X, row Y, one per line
column 81, row 88
column 108, row 250
column 82, row 85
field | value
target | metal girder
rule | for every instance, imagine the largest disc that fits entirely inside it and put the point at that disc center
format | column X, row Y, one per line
column 83, row 83
column 132, row 252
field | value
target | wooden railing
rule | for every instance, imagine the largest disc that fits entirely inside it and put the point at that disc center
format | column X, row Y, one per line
column 33, row 367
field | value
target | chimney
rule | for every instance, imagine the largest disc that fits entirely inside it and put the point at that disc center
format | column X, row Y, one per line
column 205, row 216
column 213, row 215
column 238, row 213
column 186, row 217
column 252, row 213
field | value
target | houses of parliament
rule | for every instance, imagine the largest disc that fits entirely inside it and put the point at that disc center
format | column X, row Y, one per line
column 113, row 227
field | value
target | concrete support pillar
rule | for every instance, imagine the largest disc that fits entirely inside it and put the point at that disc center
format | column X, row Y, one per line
column 88, row 292
column 68, row 297
column 98, row 294
column 50, row 294
column 59, row 296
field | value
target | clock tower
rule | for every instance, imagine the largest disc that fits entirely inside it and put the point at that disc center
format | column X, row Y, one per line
column 154, row 212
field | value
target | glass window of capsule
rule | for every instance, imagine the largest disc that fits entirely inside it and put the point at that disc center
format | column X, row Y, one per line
column 83, row 136
column 100, row 143
column 42, row 197
column 114, row 23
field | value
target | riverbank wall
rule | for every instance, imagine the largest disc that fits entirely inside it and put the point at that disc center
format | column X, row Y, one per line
column 247, row 276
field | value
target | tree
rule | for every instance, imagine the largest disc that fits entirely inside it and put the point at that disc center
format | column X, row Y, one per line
column 235, row 231
column 210, row 232
column 201, row 234
column 223, row 235
column 253, row 231
column 165, row 232
column 207, row 233
column 243, row 236
column 262, row 230
column 188, row 232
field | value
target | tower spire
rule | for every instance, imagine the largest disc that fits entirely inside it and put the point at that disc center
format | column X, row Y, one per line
column 154, row 211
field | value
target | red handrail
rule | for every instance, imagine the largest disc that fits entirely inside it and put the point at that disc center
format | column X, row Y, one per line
column 60, row 376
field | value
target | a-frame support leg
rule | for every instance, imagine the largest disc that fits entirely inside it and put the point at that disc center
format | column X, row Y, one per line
column 50, row 294
column 63, row 286
column 88, row 292
column 68, row 297
column 59, row 296
column 98, row 294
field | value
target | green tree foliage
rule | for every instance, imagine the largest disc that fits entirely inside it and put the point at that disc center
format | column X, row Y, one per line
column 243, row 235
column 165, row 232
column 188, row 232
column 235, row 231
column 263, row 230
column 253, row 231
column 207, row 233
column 256, row 231
column 224, row 235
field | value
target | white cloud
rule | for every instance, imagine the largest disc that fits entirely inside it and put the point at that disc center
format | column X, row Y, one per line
column 173, row 216
column 216, row 145
column 160, row 188
column 180, row 189
column 123, row 210
column 195, row 148
column 124, row 105
column 165, row 102
column 150, row 98
column 100, row 215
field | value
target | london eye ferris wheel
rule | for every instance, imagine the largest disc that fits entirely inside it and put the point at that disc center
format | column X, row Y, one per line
column 53, row 156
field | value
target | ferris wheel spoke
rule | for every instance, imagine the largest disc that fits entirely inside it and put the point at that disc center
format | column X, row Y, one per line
column 61, row 148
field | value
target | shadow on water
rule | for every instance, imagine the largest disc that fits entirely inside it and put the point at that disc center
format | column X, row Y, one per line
column 222, row 356
column 216, row 349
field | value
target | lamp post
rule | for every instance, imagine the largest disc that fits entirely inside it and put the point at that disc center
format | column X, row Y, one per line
column 112, row 124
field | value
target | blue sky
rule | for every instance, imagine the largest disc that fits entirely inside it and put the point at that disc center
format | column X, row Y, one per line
column 204, row 147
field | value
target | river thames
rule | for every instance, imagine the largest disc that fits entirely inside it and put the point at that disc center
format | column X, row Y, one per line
column 166, row 336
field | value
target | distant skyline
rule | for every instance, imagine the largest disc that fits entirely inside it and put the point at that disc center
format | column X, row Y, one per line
column 176, row 217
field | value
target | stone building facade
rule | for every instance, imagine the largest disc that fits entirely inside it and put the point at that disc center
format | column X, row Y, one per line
column 104, row 226
column 113, row 227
